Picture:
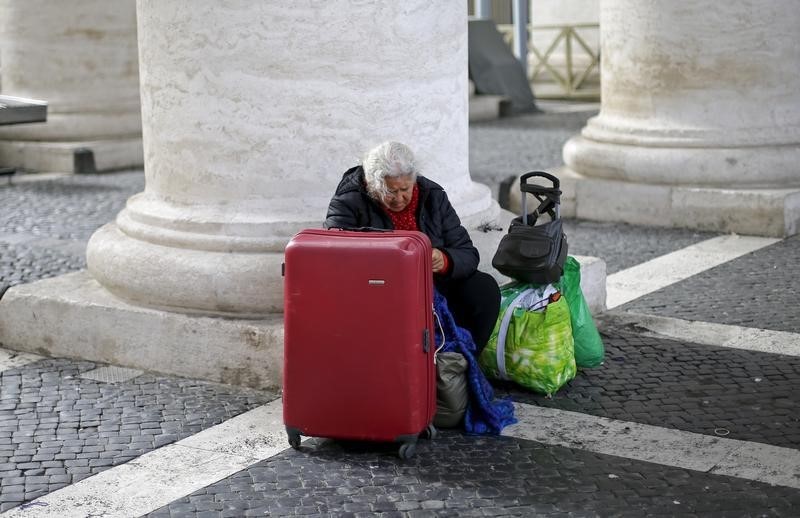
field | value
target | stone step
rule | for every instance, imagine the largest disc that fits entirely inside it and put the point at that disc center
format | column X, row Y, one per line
column 486, row 107
column 73, row 157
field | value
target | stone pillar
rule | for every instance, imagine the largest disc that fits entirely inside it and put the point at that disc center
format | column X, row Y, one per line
column 700, row 118
column 252, row 111
column 80, row 57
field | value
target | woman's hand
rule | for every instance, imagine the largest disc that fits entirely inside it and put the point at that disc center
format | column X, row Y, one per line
column 438, row 260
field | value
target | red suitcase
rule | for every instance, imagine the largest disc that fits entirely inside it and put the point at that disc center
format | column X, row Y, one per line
column 358, row 337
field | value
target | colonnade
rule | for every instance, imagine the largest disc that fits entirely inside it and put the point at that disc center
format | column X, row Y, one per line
column 81, row 58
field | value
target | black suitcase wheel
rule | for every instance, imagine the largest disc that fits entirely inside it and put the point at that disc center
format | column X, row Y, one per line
column 407, row 450
column 294, row 439
column 430, row 432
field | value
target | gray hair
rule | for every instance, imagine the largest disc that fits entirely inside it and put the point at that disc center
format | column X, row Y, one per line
column 389, row 159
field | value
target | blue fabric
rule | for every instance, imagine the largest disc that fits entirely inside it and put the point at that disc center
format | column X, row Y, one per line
column 485, row 415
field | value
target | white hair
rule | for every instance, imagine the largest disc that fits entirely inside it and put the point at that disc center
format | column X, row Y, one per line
column 389, row 159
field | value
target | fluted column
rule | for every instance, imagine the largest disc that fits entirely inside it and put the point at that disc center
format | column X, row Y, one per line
column 80, row 57
column 251, row 113
column 700, row 115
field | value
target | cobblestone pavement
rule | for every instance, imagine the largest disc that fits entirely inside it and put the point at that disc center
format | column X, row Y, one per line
column 757, row 290
column 734, row 393
column 462, row 475
column 509, row 147
column 45, row 224
column 58, row 427
column 621, row 245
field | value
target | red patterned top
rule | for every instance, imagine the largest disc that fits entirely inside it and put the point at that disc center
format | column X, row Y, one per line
column 406, row 219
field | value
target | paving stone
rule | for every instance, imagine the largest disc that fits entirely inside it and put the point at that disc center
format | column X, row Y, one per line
column 67, row 208
column 45, row 225
column 756, row 290
column 526, row 478
column 12, row 494
column 505, row 147
column 724, row 395
column 622, row 245
column 81, row 452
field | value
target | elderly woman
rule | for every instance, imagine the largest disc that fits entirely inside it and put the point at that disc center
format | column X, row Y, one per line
column 387, row 192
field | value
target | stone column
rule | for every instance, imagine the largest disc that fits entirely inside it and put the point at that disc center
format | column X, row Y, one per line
column 700, row 118
column 80, row 57
column 252, row 111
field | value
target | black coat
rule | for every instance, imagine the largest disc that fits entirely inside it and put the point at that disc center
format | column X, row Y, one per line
column 351, row 206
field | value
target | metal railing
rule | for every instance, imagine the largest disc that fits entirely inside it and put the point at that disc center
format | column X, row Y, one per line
column 572, row 76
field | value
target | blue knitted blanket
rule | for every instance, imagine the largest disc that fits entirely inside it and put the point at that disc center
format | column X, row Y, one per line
column 485, row 415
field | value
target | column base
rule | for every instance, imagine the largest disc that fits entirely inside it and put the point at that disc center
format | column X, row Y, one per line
column 748, row 211
column 73, row 316
column 754, row 212
column 107, row 155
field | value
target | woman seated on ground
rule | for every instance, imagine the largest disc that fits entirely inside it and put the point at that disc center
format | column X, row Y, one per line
column 387, row 192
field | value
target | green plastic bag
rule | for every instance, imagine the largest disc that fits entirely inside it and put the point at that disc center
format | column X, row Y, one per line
column 538, row 351
column 589, row 349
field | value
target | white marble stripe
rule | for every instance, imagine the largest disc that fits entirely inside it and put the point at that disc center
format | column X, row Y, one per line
column 748, row 338
column 669, row 447
column 166, row 474
column 647, row 277
column 13, row 359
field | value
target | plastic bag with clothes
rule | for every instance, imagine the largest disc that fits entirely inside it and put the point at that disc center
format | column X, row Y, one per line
column 532, row 342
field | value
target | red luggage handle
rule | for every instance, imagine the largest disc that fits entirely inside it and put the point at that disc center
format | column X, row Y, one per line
column 362, row 229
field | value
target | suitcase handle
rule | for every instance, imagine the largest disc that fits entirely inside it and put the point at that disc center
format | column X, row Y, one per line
column 524, row 186
column 364, row 229
column 549, row 197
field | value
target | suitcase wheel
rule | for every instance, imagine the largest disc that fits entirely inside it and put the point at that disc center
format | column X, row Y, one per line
column 294, row 438
column 429, row 432
column 407, row 450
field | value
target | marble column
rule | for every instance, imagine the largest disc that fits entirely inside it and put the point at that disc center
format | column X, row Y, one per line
column 81, row 58
column 251, row 112
column 700, row 117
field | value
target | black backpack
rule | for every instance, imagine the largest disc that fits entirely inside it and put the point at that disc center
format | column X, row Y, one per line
column 529, row 252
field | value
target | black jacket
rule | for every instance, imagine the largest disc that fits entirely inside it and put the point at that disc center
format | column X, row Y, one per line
column 351, row 206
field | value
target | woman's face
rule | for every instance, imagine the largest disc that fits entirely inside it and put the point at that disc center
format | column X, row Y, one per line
column 400, row 190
